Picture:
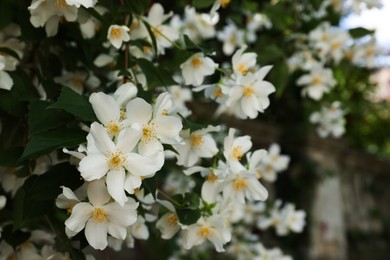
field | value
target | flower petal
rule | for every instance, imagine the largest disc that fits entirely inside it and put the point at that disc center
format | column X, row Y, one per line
column 115, row 185
column 80, row 214
column 96, row 234
column 102, row 140
column 93, row 167
column 138, row 111
column 106, row 108
column 97, row 193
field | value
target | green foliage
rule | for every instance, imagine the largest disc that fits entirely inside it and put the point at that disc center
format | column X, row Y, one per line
column 156, row 77
column 43, row 143
column 360, row 32
column 75, row 104
column 36, row 197
column 187, row 207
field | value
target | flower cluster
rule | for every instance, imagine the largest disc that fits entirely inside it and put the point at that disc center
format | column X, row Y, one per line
column 330, row 120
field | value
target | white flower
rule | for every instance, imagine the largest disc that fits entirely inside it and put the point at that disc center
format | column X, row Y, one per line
column 213, row 228
column 290, row 220
column 263, row 253
column 235, row 149
column 243, row 62
column 117, row 34
column 85, row 3
column 318, row 82
column 198, row 144
column 48, row 14
column 180, row 96
column 157, row 126
column 330, row 120
column 164, row 34
column 231, row 37
column 195, row 68
column 243, row 184
column 249, row 95
column 100, row 217
column 122, row 167
column 3, row 201
column 6, row 82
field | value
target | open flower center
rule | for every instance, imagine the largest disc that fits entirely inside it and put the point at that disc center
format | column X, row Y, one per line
column 148, row 133
column 242, row 69
column 240, row 184
column 69, row 209
column 116, row 160
column 61, row 4
column 196, row 62
column 196, row 140
column 116, row 33
column 113, row 128
column 248, row 91
column 237, row 153
column 172, row 220
column 316, row 80
column 211, row 177
column 204, row 232
column 99, row 215
column 218, row 92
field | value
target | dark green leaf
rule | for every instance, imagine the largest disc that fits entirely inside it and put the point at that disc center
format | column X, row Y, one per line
column 151, row 185
column 360, row 32
column 11, row 104
column 43, row 143
column 150, row 31
column 47, row 185
column 202, row 3
column 188, row 216
column 186, row 201
column 9, row 157
column 156, row 77
column 75, row 104
column 14, row 237
column 41, row 119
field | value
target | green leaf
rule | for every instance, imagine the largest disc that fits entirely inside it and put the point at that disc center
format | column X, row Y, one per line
column 186, row 201
column 188, row 124
column 14, row 237
column 10, row 104
column 150, row 31
column 36, row 197
column 151, row 185
column 156, row 77
column 41, row 119
column 47, row 185
column 9, row 157
column 188, row 216
column 44, row 143
column 202, row 3
column 138, row 7
column 360, row 32
column 75, row 104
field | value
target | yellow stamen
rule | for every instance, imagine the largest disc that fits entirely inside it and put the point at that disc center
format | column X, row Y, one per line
column 196, row 140
column 211, row 177
column 148, row 133
column 172, row 220
column 61, row 4
column 259, row 174
column 134, row 25
column 336, row 45
column 204, row 232
column 248, row 91
column 240, row 184
column 196, row 62
column 116, row 160
column 116, row 33
column 316, row 80
column 113, row 128
column 268, row 168
column 242, row 69
column 218, row 92
column 69, row 209
column 225, row 3
column 237, row 154
column 123, row 114
column 164, row 112
column 147, row 48
column 99, row 215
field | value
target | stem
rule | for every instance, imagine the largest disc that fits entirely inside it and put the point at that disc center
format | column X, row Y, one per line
column 59, row 236
column 168, row 197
